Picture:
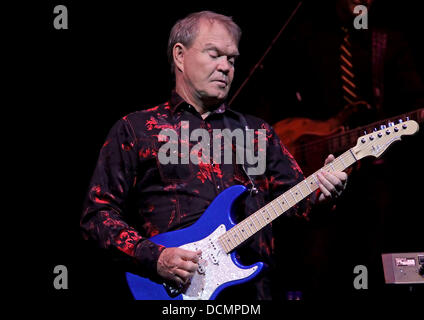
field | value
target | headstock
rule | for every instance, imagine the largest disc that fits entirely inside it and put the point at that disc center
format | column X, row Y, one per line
column 376, row 142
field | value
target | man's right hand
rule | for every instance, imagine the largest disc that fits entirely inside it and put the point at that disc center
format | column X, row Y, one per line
column 178, row 265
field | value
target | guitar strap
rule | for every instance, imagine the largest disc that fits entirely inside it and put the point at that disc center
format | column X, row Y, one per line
column 243, row 121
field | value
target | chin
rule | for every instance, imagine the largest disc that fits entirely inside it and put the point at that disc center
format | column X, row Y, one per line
column 218, row 95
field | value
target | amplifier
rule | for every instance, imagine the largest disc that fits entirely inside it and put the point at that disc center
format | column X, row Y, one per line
column 403, row 267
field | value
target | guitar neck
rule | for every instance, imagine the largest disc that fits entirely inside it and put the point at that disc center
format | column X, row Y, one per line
column 276, row 208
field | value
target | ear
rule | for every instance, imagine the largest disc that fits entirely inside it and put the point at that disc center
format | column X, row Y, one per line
column 178, row 53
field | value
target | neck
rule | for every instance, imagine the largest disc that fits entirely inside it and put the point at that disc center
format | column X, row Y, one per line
column 191, row 99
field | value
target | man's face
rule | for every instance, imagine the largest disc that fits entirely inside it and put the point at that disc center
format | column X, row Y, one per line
column 208, row 64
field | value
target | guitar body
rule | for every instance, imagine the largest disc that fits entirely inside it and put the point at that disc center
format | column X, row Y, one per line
column 298, row 132
column 217, row 235
column 293, row 130
column 217, row 269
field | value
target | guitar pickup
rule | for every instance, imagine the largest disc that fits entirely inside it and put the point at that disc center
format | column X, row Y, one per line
column 201, row 268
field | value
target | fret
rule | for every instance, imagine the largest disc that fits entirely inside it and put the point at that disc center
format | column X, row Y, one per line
column 247, row 229
column 293, row 196
column 235, row 236
column 241, row 237
column 257, row 219
column 249, row 224
column 244, row 230
column 332, row 167
column 310, row 181
column 273, row 208
column 316, row 180
column 237, row 227
column 307, row 185
column 343, row 163
column 253, row 222
column 223, row 243
column 298, row 188
column 342, row 159
column 229, row 241
column 284, row 196
column 277, row 200
column 269, row 213
column 269, row 216
column 351, row 152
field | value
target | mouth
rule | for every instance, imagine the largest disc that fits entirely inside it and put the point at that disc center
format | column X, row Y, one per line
column 221, row 82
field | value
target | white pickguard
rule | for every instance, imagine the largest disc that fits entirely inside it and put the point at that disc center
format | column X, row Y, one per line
column 215, row 267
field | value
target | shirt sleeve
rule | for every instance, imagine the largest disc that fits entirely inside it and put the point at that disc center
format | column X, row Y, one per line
column 103, row 218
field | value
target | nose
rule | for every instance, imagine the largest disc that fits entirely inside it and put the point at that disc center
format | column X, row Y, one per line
column 224, row 65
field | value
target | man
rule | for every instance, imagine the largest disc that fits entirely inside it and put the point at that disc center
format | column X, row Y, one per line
column 133, row 195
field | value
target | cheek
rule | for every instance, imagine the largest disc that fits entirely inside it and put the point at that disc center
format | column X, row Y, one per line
column 231, row 74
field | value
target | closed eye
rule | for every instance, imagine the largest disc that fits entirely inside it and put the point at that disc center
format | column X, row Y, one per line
column 213, row 53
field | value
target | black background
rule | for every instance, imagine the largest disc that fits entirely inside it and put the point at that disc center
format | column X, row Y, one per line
column 112, row 61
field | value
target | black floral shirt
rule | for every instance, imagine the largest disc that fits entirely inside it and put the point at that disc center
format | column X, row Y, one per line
column 132, row 196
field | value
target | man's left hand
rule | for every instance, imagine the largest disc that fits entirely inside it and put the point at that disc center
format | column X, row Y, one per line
column 331, row 184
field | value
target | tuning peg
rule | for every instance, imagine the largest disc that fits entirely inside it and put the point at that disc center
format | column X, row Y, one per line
column 400, row 121
column 383, row 127
column 365, row 132
column 407, row 118
column 375, row 129
column 391, row 124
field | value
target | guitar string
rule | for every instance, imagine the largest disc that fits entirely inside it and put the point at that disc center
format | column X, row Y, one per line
column 344, row 155
column 324, row 168
column 342, row 159
column 220, row 243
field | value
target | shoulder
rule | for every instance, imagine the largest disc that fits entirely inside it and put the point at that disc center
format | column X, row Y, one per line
column 158, row 111
column 254, row 122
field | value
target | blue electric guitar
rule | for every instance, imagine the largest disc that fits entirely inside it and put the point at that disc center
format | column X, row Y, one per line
column 217, row 234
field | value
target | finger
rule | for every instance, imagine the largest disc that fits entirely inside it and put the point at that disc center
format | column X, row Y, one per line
column 326, row 186
column 188, row 266
column 334, row 180
column 329, row 159
column 338, row 179
column 341, row 175
column 324, row 190
column 178, row 280
column 190, row 255
column 183, row 275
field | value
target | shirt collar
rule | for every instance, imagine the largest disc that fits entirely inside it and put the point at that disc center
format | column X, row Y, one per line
column 177, row 103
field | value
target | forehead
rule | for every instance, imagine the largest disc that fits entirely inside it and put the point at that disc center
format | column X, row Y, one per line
column 214, row 33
